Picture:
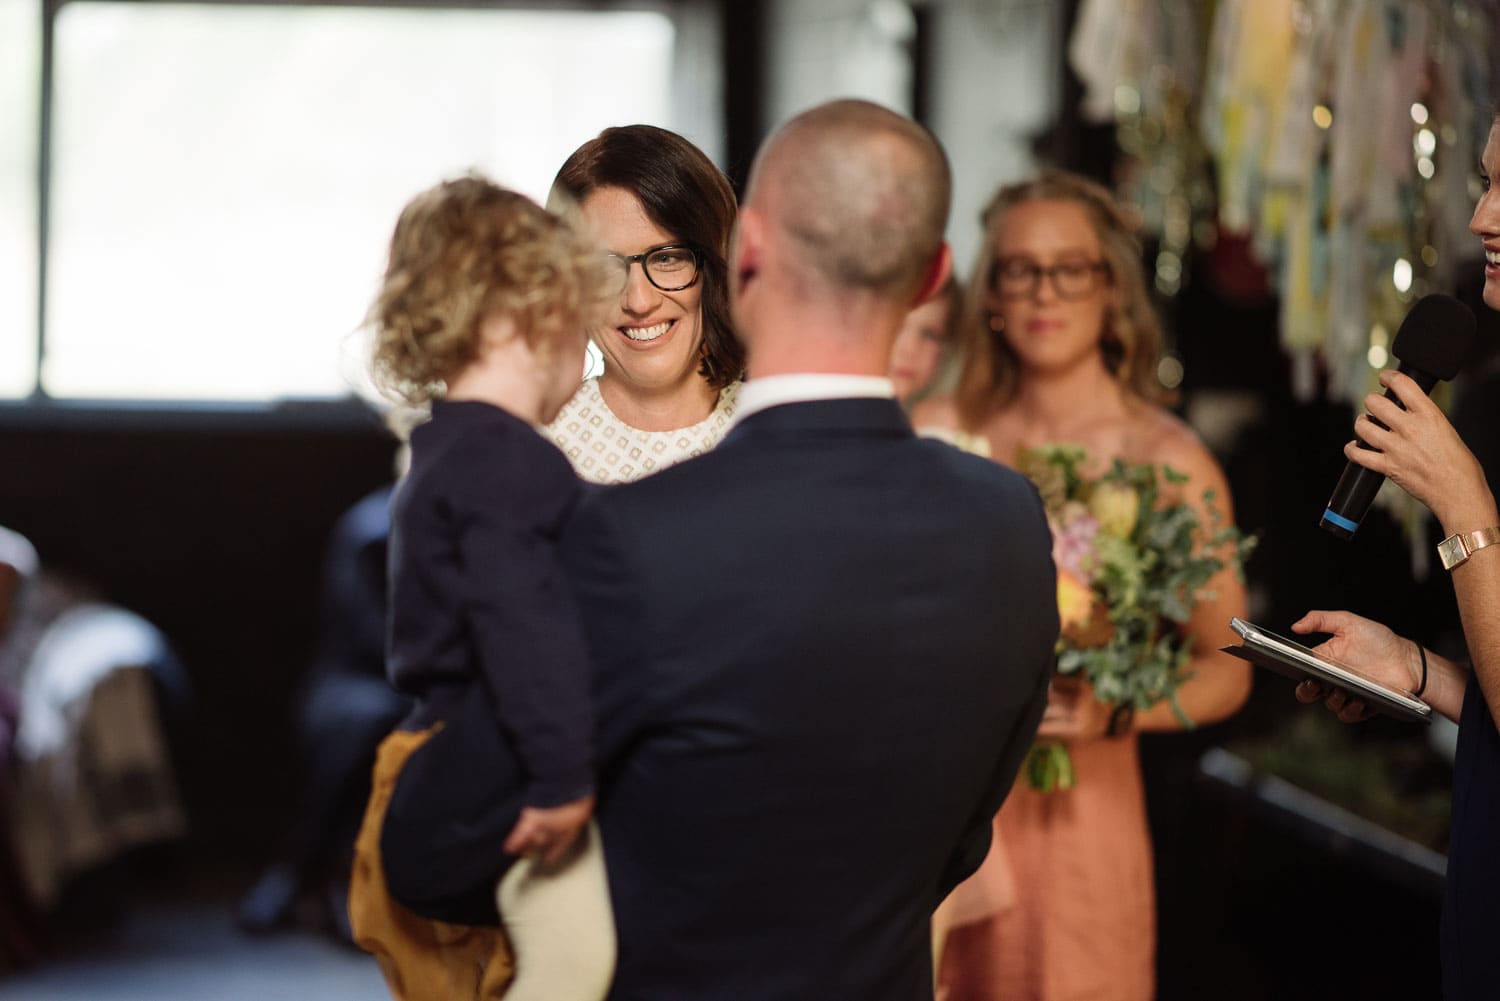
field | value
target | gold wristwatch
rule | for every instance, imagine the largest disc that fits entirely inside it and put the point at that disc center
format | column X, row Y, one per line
column 1456, row 548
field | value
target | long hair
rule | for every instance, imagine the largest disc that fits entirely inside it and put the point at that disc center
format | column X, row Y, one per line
column 1132, row 339
column 686, row 195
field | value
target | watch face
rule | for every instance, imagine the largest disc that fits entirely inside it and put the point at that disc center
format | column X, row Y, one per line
column 1452, row 552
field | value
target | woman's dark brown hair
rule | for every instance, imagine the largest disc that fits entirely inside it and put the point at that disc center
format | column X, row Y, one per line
column 686, row 195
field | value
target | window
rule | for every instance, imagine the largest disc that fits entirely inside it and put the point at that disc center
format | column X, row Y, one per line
column 224, row 177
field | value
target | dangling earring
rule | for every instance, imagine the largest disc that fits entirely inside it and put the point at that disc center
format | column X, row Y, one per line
column 995, row 322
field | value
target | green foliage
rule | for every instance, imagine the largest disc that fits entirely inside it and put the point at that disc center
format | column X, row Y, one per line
column 1049, row 768
column 1148, row 580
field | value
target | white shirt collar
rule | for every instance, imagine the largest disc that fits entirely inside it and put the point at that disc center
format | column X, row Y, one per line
column 805, row 387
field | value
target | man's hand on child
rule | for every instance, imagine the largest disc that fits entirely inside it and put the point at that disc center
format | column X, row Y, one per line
column 548, row 832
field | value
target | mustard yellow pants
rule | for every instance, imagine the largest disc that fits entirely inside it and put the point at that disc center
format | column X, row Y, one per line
column 421, row 959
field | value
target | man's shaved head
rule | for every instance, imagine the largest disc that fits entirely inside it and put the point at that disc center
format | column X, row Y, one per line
column 861, row 191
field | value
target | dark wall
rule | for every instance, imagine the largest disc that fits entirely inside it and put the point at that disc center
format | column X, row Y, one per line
column 210, row 526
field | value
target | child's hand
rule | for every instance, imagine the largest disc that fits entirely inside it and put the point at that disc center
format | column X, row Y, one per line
column 548, row 832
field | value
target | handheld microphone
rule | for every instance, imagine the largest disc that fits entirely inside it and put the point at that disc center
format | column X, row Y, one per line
column 1434, row 341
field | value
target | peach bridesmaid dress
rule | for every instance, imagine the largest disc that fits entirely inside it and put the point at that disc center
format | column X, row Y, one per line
column 1083, row 923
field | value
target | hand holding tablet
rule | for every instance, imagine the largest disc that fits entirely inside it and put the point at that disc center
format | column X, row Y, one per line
column 1295, row 661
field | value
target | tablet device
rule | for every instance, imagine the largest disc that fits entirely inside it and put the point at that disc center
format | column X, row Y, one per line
column 1295, row 661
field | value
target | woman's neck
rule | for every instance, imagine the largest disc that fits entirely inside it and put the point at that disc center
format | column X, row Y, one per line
column 1066, row 406
column 665, row 409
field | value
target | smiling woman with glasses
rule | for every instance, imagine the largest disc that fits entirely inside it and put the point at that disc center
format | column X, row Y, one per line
column 1061, row 345
column 662, row 214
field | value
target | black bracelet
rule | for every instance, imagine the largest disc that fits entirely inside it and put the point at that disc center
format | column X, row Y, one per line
column 1423, row 654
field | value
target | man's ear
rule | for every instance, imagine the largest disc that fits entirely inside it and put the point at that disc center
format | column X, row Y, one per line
column 747, row 254
column 936, row 276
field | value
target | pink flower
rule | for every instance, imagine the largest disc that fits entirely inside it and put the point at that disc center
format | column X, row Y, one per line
column 1073, row 544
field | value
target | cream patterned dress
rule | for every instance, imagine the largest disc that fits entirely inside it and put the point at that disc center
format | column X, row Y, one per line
column 604, row 449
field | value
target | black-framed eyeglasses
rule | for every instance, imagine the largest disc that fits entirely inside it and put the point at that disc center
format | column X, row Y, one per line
column 671, row 268
column 1018, row 278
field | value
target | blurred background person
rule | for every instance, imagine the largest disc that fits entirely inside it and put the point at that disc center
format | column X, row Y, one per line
column 346, row 706
column 925, row 343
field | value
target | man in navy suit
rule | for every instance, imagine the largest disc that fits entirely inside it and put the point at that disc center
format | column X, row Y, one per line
column 823, row 648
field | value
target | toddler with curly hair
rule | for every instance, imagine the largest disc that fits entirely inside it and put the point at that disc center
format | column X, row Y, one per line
column 481, row 316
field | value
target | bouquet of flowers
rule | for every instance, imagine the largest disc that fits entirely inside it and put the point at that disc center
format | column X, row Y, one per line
column 1130, row 566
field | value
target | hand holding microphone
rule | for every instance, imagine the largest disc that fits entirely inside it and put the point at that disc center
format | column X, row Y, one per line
column 1409, row 440
column 1435, row 339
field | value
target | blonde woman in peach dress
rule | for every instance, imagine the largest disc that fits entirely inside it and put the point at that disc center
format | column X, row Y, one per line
column 1061, row 345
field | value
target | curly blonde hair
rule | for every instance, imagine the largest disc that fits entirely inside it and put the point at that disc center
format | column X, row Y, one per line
column 1132, row 339
column 463, row 251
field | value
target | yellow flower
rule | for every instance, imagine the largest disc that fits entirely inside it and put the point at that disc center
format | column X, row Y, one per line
column 1116, row 506
column 1083, row 620
column 1075, row 600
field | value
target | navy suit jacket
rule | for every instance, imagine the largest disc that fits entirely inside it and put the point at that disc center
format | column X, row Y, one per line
column 823, row 650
